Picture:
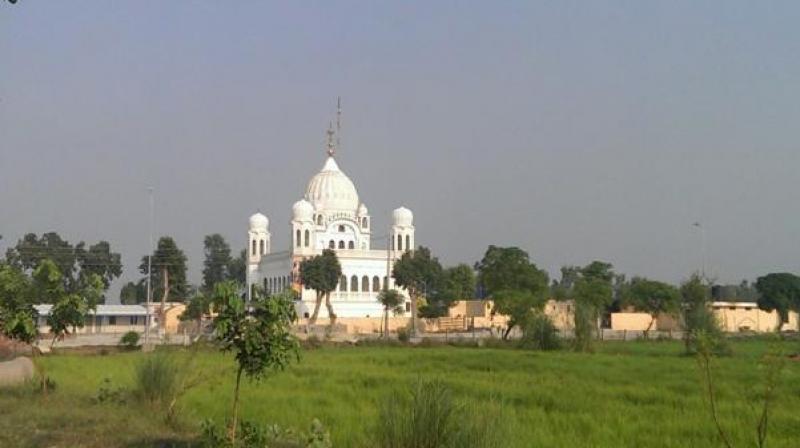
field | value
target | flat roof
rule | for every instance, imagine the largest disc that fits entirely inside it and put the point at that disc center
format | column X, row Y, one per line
column 102, row 310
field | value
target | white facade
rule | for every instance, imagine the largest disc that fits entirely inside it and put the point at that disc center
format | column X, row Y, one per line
column 330, row 216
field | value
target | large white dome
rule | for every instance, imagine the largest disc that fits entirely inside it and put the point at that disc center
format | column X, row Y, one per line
column 259, row 222
column 302, row 210
column 332, row 190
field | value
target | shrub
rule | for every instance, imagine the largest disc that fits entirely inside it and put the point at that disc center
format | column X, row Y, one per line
column 156, row 379
column 403, row 335
column 106, row 393
column 129, row 340
column 431, row 418
column 254, row 435
column 539, row 333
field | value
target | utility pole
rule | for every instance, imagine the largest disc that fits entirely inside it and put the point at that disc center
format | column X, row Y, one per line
column 149, row 268
column 702, row 248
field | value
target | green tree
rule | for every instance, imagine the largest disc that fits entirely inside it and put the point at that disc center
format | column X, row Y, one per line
column 516, row 285
column 259, row 335
column 217, row 263
column 198, row 307
column 420, row 274
column 780, row 292
column 392, row 300
column 457, row 283
column 133, row 293
column 17, row 314
column 321, row 273
column 100, row 261
column 592, row 293
column 237, row 269
column 169, row 271
column 48, row 285
column 652, row 297
column 700, row 326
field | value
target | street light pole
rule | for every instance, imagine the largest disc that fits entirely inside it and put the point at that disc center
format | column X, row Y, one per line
column 149, row 269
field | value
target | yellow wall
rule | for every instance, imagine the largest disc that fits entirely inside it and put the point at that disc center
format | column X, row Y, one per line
column 746, row 316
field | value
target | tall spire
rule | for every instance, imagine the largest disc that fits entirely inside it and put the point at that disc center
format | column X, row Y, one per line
column 331, row 145
column 338, row 119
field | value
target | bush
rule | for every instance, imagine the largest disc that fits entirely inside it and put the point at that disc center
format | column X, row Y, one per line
column 253, row 435
column 539, row 333
column 431, row 418
column 156, row 379
column 106, row 393
column 129, row 340
column 403, row 335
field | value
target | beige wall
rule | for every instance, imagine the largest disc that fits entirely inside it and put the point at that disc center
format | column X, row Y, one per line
column 746, row 316
column 102, row 324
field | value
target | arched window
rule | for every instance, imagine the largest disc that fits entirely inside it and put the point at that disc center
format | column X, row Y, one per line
column 365, row 284
column 364, row 222
column 297, row 238
column 262, row 247
column 408, row 242
column 354, row 283
column 376, row 284
column 343, row 283
column 351, row 245
column 341, row 229
column 308, row 237
column 319, row 220
column 341, row 244
column 254, row 248
column 399, row 242
column 331, row 245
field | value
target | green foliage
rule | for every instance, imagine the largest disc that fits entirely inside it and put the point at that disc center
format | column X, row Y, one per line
column 156, row 379
column 779, row 291
column 129, row 340
column 258, row 334
column 17, row 314
column 107, row 393
column 420, row 274
column 237, row 269
column 254, row 435
column 699, row 320
column 199, row 306
column 515, row 284
column 75, row 263
column 392, row 301
column 217, row 262
column 457, row 283
column 69, row 312
column 169, row 270
column 432, row 418
column 403, row 335
column 133, row 293
column 321, row 273
column 592, row 293
column 539, row 333
column 652, row 297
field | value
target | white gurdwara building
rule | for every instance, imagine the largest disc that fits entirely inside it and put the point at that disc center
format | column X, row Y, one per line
column 330, row 216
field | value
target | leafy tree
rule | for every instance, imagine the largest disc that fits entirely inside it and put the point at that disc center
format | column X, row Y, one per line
column 75, row 263
column 592, row 292
column 199, row 306
column 217, row 263
column 321, row 273
column 48, row 285
column 652, row 297
column 516, row 285
column 237, row 269
column 392, row 300
column 259, row 335
column 67, row 313
column 457, row 283
column 169, row 271
column 17, row 314
column 419, row 273
column 133, row 293
column 780, row 292
column 700, row 325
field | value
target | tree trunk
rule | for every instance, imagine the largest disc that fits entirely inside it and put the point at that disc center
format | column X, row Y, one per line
column 508, row 330
column 649, row 326
column 386, row 322
column 331, row 314
column 314, row 315
column 234, row 421
column 413, row 296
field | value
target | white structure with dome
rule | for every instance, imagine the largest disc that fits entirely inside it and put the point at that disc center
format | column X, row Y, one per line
column 331, row 216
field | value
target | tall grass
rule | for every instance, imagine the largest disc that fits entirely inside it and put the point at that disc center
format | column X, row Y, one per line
column 432, row 418
column 156, row 379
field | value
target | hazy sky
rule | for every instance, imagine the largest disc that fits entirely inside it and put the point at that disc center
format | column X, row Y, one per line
column 576, row 130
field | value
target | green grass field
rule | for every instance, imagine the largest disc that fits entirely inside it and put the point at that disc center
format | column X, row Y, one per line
column 631, row 394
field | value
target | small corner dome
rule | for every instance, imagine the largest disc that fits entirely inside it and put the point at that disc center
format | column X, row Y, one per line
column 403, row 217
column 259, row 222
column 362, row 210
column 302, row 210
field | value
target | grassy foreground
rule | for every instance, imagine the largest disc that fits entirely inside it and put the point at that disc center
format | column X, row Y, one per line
column 631, row 394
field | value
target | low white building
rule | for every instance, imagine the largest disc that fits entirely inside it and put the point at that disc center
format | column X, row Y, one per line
column 331, row 216
column 106, row 319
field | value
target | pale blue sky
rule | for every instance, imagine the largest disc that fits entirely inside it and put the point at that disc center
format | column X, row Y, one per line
column 576, row 130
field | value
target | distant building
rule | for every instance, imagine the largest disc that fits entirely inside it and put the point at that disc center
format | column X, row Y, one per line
column 747, row 316
column 105, row 319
